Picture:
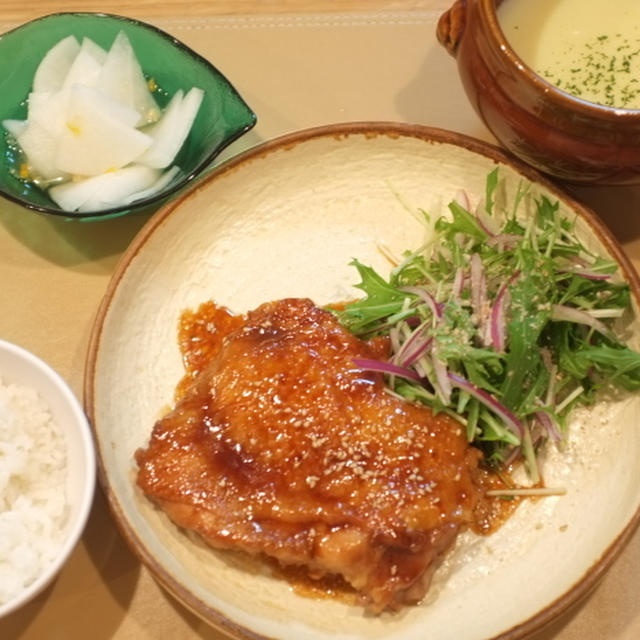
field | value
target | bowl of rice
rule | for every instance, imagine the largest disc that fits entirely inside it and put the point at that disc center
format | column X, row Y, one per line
column 47, row 475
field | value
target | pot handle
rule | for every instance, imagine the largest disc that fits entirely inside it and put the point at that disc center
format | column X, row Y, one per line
column 451, row 26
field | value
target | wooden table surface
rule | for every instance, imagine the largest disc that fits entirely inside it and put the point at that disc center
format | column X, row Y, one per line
column 298, row 63
column 20, row 11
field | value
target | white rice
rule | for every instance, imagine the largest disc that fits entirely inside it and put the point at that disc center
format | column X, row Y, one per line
column 33, row 501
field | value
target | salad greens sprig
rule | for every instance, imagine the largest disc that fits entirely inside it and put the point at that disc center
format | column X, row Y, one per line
column 503, row 320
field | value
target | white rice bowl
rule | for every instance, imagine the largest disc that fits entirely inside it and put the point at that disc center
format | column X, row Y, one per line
column 47, row 475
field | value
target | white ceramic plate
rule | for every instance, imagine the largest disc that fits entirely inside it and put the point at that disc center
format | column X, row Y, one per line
column 285, row 219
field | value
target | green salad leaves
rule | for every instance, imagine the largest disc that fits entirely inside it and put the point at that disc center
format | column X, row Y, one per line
column 503, row 320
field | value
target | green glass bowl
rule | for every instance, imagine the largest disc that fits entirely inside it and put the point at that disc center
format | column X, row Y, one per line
column 223, row 116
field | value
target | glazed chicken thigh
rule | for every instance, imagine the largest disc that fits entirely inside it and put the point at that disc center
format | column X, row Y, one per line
column 282, row 446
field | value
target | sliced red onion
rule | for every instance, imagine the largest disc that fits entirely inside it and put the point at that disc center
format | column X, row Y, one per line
column 498, row 318
column 380, row 366
column 485, row 225
column 504, row 240
column 413, row 347
column 458, row 284
column 441, row 373
column 549, row 425
column 479, row 294
column 418, row 349
column 581, row 262
column 477, row 271
column 591, row 275
column 508, row 417
column 462, row 198
column 513, row 456
column 571, row 314
column 423, row 294
column 581, row 267
column 394, row 338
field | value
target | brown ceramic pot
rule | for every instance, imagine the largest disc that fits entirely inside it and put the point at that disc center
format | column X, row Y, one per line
column 561, row 135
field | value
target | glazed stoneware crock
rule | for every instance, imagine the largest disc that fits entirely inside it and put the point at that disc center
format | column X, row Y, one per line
column 549, row 129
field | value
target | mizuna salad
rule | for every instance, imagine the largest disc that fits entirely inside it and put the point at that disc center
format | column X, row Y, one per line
column 504, row 321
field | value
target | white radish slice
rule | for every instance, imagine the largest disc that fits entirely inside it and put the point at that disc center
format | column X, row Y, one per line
column 35, row 101
column 87, row 66
column 55, row 65
column 170, row 132
column 122, row 79
column 158, row 185
column 103, row 103
column 93, row 140
column 49, row 110
column 161, row 130
column 116, row 186
column 15, row 127
column 40, row 148
column 103, row 191
column 71, row 195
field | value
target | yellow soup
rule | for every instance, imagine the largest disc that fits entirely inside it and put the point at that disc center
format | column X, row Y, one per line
column 588, row 48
